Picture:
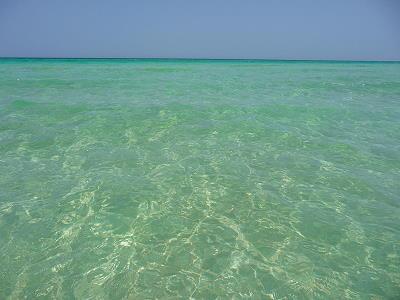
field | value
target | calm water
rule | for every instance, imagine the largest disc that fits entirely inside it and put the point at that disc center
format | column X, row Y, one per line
column 147, row 179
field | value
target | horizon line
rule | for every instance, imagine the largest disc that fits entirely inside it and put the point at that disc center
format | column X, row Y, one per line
column 195, row 58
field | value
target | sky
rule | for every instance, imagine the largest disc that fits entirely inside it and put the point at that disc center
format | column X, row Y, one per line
column 265, row 29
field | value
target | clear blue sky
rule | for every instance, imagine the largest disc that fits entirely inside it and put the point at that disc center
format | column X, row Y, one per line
column 278, row 29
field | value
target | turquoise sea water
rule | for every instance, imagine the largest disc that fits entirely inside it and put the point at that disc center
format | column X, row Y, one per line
column 144, row 179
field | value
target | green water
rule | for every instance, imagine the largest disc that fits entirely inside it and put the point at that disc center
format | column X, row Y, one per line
column 143, row 179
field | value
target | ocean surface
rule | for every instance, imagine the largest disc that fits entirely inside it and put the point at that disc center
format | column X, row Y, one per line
column 203, row 179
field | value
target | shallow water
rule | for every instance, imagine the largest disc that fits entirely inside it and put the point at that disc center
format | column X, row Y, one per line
column 174, row 179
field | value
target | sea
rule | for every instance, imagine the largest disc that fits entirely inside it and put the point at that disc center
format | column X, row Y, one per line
column 199, row 179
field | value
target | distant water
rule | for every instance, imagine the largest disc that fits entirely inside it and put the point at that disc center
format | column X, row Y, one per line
column 168, row 179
